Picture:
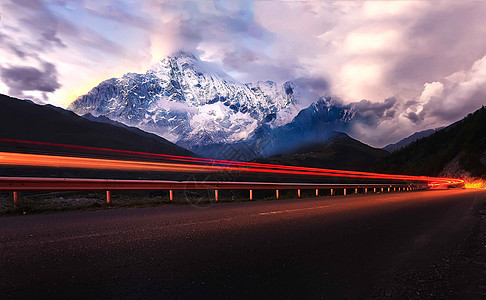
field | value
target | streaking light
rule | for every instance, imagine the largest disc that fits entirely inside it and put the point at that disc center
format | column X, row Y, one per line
column 201, row 164
column 38, row 160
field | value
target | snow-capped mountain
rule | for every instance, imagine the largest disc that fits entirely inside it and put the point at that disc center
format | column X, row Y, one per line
column 186, row 101
column 316, row 123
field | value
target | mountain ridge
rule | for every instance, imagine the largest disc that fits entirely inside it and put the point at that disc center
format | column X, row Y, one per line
column 315, row 122
column 180, row 100
column 463, row 142
column 338, row 151
column 24, row 120
column 410, row 139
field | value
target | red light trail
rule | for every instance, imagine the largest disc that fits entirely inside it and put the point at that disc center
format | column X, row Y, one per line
column 202, row 164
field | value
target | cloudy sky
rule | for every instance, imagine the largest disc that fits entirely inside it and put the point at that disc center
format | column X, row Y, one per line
column 416, row 64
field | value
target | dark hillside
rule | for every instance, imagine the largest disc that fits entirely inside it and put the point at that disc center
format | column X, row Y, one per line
column 408, row 140
column 24, row 120
column 464, row 140
column 340, row 151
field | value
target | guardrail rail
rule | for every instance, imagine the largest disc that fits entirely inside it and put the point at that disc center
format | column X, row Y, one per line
column 18, row 184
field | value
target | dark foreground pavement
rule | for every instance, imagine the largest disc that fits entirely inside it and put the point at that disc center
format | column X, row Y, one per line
column 332, row 247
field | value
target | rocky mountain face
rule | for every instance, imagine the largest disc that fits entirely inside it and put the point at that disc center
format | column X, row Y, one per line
column 183, row 99
column 188, row 102
column 315, row 123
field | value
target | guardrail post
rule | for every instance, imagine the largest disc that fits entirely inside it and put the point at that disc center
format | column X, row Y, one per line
column 277, row 193
column 108, row 197
column 251, row 194
column 216, row 195
column 317, row 192
column 344, row 192
column 171, row 195
column 16, row 198
column 298, row 193
column 332, row 192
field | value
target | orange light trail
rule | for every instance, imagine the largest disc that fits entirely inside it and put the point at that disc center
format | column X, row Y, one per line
column 216, row 165
column 39, row 160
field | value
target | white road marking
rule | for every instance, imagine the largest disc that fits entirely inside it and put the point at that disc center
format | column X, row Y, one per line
column 292, row 210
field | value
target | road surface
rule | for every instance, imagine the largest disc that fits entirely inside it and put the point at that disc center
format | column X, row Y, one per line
column 330, row 247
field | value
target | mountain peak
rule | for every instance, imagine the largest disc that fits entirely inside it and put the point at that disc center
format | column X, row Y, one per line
column 174, row 60
column 325, row 102
column 183, row 99
column 184, row 55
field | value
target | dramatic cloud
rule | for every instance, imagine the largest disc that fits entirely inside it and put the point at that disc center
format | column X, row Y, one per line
column 22, row 78
column 372, row 113
column 418, row 64
column 413, row 117
column 457, row 94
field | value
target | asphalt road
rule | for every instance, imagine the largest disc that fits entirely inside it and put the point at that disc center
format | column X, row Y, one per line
column 330, row 247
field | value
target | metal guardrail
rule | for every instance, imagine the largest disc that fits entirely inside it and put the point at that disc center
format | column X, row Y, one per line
column 17, row 184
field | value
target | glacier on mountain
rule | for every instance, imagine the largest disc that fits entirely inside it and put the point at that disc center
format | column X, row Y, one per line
column 188, row 102
column 317, row 122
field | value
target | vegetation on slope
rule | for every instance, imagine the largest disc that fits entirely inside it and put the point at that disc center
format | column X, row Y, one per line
column 465, row 140
column 339, row 152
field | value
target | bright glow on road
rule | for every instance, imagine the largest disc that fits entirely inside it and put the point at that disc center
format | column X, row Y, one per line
column 475, row 184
